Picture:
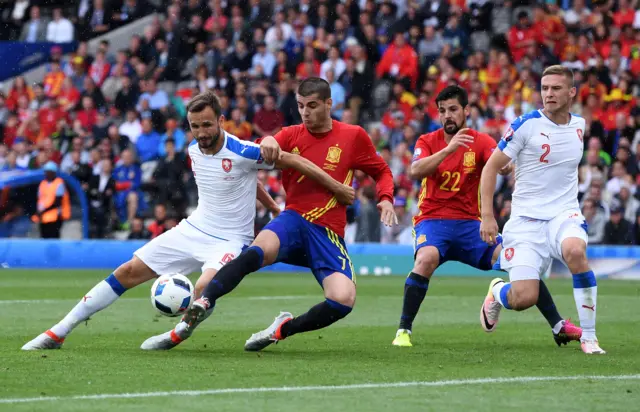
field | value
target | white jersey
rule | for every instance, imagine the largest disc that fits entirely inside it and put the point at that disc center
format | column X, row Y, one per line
column 227, row 184
column 546, row 157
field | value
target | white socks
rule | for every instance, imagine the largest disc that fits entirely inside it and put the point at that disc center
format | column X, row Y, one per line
column 102, row 295
column 585, row 293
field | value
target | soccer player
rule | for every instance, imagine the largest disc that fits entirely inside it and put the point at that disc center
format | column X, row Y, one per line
column 449, row 162
column 219, row 229
column 546, row 221
column 310, row 231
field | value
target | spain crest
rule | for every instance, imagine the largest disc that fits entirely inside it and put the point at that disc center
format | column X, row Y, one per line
column 226, row 165
column 421, row 239
column 333, row 155
column 469, row 159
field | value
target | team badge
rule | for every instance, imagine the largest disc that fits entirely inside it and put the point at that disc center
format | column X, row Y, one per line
column 508, row 253
column 508, row 135
column 421, row 239
column 333, row 155
column 579, row 131
column 469, row 159
column 226, row 165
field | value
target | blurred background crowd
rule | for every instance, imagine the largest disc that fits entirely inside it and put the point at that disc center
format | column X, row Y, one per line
column 115, row 118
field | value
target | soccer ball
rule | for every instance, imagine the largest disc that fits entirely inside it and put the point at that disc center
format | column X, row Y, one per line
column 172, row 295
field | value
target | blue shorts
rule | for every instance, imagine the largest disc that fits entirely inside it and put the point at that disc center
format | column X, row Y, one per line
column 457, row 240
column 309, row 245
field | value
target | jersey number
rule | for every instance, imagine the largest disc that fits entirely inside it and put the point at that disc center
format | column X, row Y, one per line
column 547, row 149
column 448, row 176
column 228, row 257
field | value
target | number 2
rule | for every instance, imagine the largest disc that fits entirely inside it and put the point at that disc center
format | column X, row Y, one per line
column 547, row 149
column 447, row 175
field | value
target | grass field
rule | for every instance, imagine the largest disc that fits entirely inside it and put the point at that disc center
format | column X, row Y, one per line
column 351, row 366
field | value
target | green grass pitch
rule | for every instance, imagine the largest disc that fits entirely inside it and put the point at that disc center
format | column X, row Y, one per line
column 351, row 366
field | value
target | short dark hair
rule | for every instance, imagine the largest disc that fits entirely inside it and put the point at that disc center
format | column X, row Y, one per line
column 203, row 100
column 453, row 92
column 313, row 85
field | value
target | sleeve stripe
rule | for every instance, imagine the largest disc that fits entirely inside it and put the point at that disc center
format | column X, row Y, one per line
column 243, row 149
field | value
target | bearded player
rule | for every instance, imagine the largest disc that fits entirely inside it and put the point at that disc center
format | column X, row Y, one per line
column 225, row 170
column 310, row 231
column 546, row 223
column 449, row 162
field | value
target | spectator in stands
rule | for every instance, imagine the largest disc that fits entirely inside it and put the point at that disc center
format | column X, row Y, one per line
column 368, row 218
column 157, row 98
column 238, row 126
column 131, row 127
column 138, row 231
column 618, row 231
column 53, row 203
column 148, row 142
column 338, row 95
column 35, row 30
column 157, row 227
column 60, row 29
column 170, row 175
column 101, row 189
column 128, row 200
column 268, row 120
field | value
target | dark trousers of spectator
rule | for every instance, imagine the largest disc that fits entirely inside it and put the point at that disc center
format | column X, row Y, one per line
column 50, row 230
column 99, row 226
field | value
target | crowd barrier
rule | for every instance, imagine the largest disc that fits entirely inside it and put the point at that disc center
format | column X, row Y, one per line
column 18, row 57
column 619, row 262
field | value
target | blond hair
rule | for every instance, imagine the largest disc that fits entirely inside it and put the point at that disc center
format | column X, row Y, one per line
column 559, row 70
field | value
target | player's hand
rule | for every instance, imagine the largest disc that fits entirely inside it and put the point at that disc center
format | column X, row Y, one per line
column 345, row 194
column 275, row 212
column 269, row 149
column 505, row 171
column 489, row 230
column 387, row 213
column 460, row 139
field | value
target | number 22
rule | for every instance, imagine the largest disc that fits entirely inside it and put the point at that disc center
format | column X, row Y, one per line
column 547, row 149
column 447, row 175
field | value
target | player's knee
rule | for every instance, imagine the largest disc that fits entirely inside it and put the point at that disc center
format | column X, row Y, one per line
column 575, row 253
column 344, row 296
column 427, row 260
column 523, row 298
column 132, row 197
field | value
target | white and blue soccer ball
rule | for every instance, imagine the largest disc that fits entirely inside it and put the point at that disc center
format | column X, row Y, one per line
column 172, row 295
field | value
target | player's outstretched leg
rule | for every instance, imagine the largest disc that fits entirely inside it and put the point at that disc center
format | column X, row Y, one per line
column 519, row 294
column 128, row 275
column 563, row 330
column 415, row 289
column 340, row 297
column 585, row 292
column 262, row 252
column 182, row 331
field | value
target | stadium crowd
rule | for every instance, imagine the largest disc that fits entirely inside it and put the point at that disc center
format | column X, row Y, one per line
column 116, row 120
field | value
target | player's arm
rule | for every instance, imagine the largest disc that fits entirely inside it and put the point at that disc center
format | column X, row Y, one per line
column 265, row 198
column 426, row 164
column 508, row 148
column 368, row 160
column 343, row 193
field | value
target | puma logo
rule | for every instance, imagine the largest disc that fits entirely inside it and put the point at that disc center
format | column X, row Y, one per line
column 545, row 135
column 593, row 307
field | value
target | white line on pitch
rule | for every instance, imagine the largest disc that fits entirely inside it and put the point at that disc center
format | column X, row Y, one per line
column 457, row 382
column 39, row 301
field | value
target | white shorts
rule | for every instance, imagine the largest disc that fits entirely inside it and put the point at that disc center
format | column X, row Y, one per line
column 185, row 249
column 535, row 243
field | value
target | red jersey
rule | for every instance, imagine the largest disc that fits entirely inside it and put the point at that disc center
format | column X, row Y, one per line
column 452, row 191
column 338, row 152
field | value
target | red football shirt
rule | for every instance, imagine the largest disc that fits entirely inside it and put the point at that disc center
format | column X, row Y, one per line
column 452, row 192
column 339, row 152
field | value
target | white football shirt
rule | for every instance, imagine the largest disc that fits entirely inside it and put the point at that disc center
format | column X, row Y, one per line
column 227, row 184
column 546, row 157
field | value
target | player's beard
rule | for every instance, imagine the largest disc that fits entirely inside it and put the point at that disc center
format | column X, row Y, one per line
column 451, row 127
column 209, row 142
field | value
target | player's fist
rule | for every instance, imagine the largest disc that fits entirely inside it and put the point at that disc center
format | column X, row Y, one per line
column 460, row 139
column 269, row 149
column 505, row 171
column 489, row 230
column 345, row 194
column 387, row 213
